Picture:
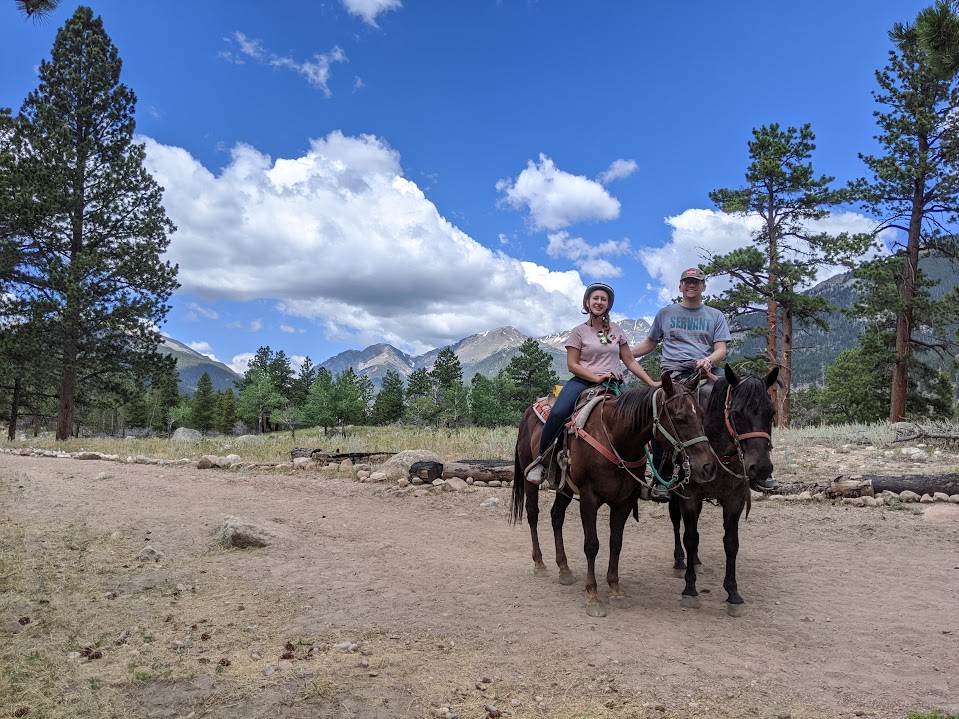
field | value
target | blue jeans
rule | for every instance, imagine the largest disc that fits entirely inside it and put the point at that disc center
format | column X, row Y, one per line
column 561, row 410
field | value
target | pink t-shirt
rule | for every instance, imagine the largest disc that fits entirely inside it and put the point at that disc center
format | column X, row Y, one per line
column 596, row 356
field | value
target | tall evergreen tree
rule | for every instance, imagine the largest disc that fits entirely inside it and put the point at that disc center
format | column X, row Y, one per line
column 89, row 225
column 449, row 393
column 419, row 383
column 784, row 192
column 937, row 28
column 37, row 9
column 226, row 412
column 913, row 187
column 300, row 386
column 388, row 405
column 319, row 403
column 532, row 375
column 203, row 404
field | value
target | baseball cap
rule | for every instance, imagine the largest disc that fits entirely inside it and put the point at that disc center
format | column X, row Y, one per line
column 693, row 273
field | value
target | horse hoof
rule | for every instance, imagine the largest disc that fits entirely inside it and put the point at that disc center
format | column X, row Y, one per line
column 687, row 602
column 735, row 610
column 679, row 573
column 618, row 597
column 567, row 578
column 540, row 572
column 596, row 610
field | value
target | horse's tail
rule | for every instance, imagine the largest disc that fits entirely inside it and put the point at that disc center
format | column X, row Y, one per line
column 519, row 482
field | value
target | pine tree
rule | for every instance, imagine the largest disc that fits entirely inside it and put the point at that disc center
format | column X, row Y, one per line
column 532, row 375
column 226, row 415
column 90, row 228
column 419, row 383
column 203, row 404
column 449, row 393
column 913, row 188
column 388, row 405
column 319, row 402
column 784, row 192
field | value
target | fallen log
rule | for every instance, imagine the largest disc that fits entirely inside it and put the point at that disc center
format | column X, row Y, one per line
column 918, row 483
column 320, row 455
column 480, row 470
column 868, row 485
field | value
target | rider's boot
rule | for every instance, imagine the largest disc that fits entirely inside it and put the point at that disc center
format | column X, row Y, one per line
column 534, row 473
column 769, row 483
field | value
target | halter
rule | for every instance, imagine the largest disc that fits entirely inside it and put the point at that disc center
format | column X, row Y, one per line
column 737, row 438
column 679, row 448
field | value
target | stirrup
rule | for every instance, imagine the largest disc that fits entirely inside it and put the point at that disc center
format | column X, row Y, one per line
column 534, row 472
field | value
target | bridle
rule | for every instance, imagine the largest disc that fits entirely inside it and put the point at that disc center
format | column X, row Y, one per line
column 679, row 478
column 736, row 437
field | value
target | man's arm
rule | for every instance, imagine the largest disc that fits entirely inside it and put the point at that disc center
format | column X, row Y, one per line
column 713, row 358
column 647, row 346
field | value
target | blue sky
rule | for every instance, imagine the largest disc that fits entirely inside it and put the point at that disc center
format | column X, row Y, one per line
column 357, row 171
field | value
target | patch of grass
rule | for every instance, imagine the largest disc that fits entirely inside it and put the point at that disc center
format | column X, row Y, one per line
column 934, row 714
column 466, row 442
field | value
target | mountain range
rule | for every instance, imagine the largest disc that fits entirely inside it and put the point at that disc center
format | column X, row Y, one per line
column 488, row 352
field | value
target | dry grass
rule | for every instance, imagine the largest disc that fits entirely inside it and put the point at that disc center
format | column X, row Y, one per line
column 471, row 442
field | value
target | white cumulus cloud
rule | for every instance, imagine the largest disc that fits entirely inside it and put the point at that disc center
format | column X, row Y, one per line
column 204, row 349
column 698, row 234
column 590, row 259
column 557, row 199
column 352, row 245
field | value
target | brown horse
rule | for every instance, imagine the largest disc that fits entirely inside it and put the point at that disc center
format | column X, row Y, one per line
column 738, row 422
column 605, row 465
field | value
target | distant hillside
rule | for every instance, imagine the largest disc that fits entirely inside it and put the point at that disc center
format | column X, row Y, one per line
column 814, row 349
column 191, row 365
column 484, row 353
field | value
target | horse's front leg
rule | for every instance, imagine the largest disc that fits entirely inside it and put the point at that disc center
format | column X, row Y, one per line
column 558, row 516
column 690, row 513
column 679, row 557
column 617, row 522
column 532, row 516
column 732, row 511
column 587, row 510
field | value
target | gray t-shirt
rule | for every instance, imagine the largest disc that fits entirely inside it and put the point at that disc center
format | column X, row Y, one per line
column 688, row 335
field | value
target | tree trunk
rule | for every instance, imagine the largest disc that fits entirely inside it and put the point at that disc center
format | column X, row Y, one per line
column 65, row 401
column 14, row 407
column 868, row 485
column 772, row 308
column 786, row 370
column 480, row 470
column 907, row 290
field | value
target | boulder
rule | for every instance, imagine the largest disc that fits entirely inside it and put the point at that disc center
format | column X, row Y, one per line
column 399, row 464
column 241, row 534
column 185, row 434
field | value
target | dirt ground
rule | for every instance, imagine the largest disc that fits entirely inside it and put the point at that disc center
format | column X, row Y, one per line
column 375, row 603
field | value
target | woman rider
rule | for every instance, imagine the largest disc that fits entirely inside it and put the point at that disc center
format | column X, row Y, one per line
column 595, row 353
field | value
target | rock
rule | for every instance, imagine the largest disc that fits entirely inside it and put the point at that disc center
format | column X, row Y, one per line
column 805, row 495
column 381, row 477
column 454, row 484
column 853, row 501
column 404, row 482
column 399, row 464
column 940, row 497
column 149, row 554
column 207, row 461
column 362, row 475
column 88, row 455
column 346, row 465
column 870, row 501
column 954, row 498
column 925, row 499
column 438, row 482
column 889, row 496
column 247, row 439
column 228, row 461
column 908, row 496
column 185, row 434
column 491, row 502
column 303, row 463
column 239, row 533
column 103, row 475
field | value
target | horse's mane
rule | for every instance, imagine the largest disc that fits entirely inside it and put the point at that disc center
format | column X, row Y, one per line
column 750, row 393
column 631, row 406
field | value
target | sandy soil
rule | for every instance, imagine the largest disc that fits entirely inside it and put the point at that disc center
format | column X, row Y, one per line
column 851, row 612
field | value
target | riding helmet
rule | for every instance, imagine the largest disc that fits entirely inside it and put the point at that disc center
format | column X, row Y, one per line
column 598, row 286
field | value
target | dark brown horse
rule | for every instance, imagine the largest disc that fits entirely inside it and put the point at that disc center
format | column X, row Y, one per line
column 604, row 463
column 738, row 422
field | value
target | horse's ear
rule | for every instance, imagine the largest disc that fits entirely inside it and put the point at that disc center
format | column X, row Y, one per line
column 668, row 387
column 730, row 375
column 772, row 376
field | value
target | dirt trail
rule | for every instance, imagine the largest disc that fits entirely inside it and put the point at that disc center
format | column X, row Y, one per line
column 851, row 612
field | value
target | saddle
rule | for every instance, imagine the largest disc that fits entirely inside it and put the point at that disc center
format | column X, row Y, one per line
column 585, row 404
